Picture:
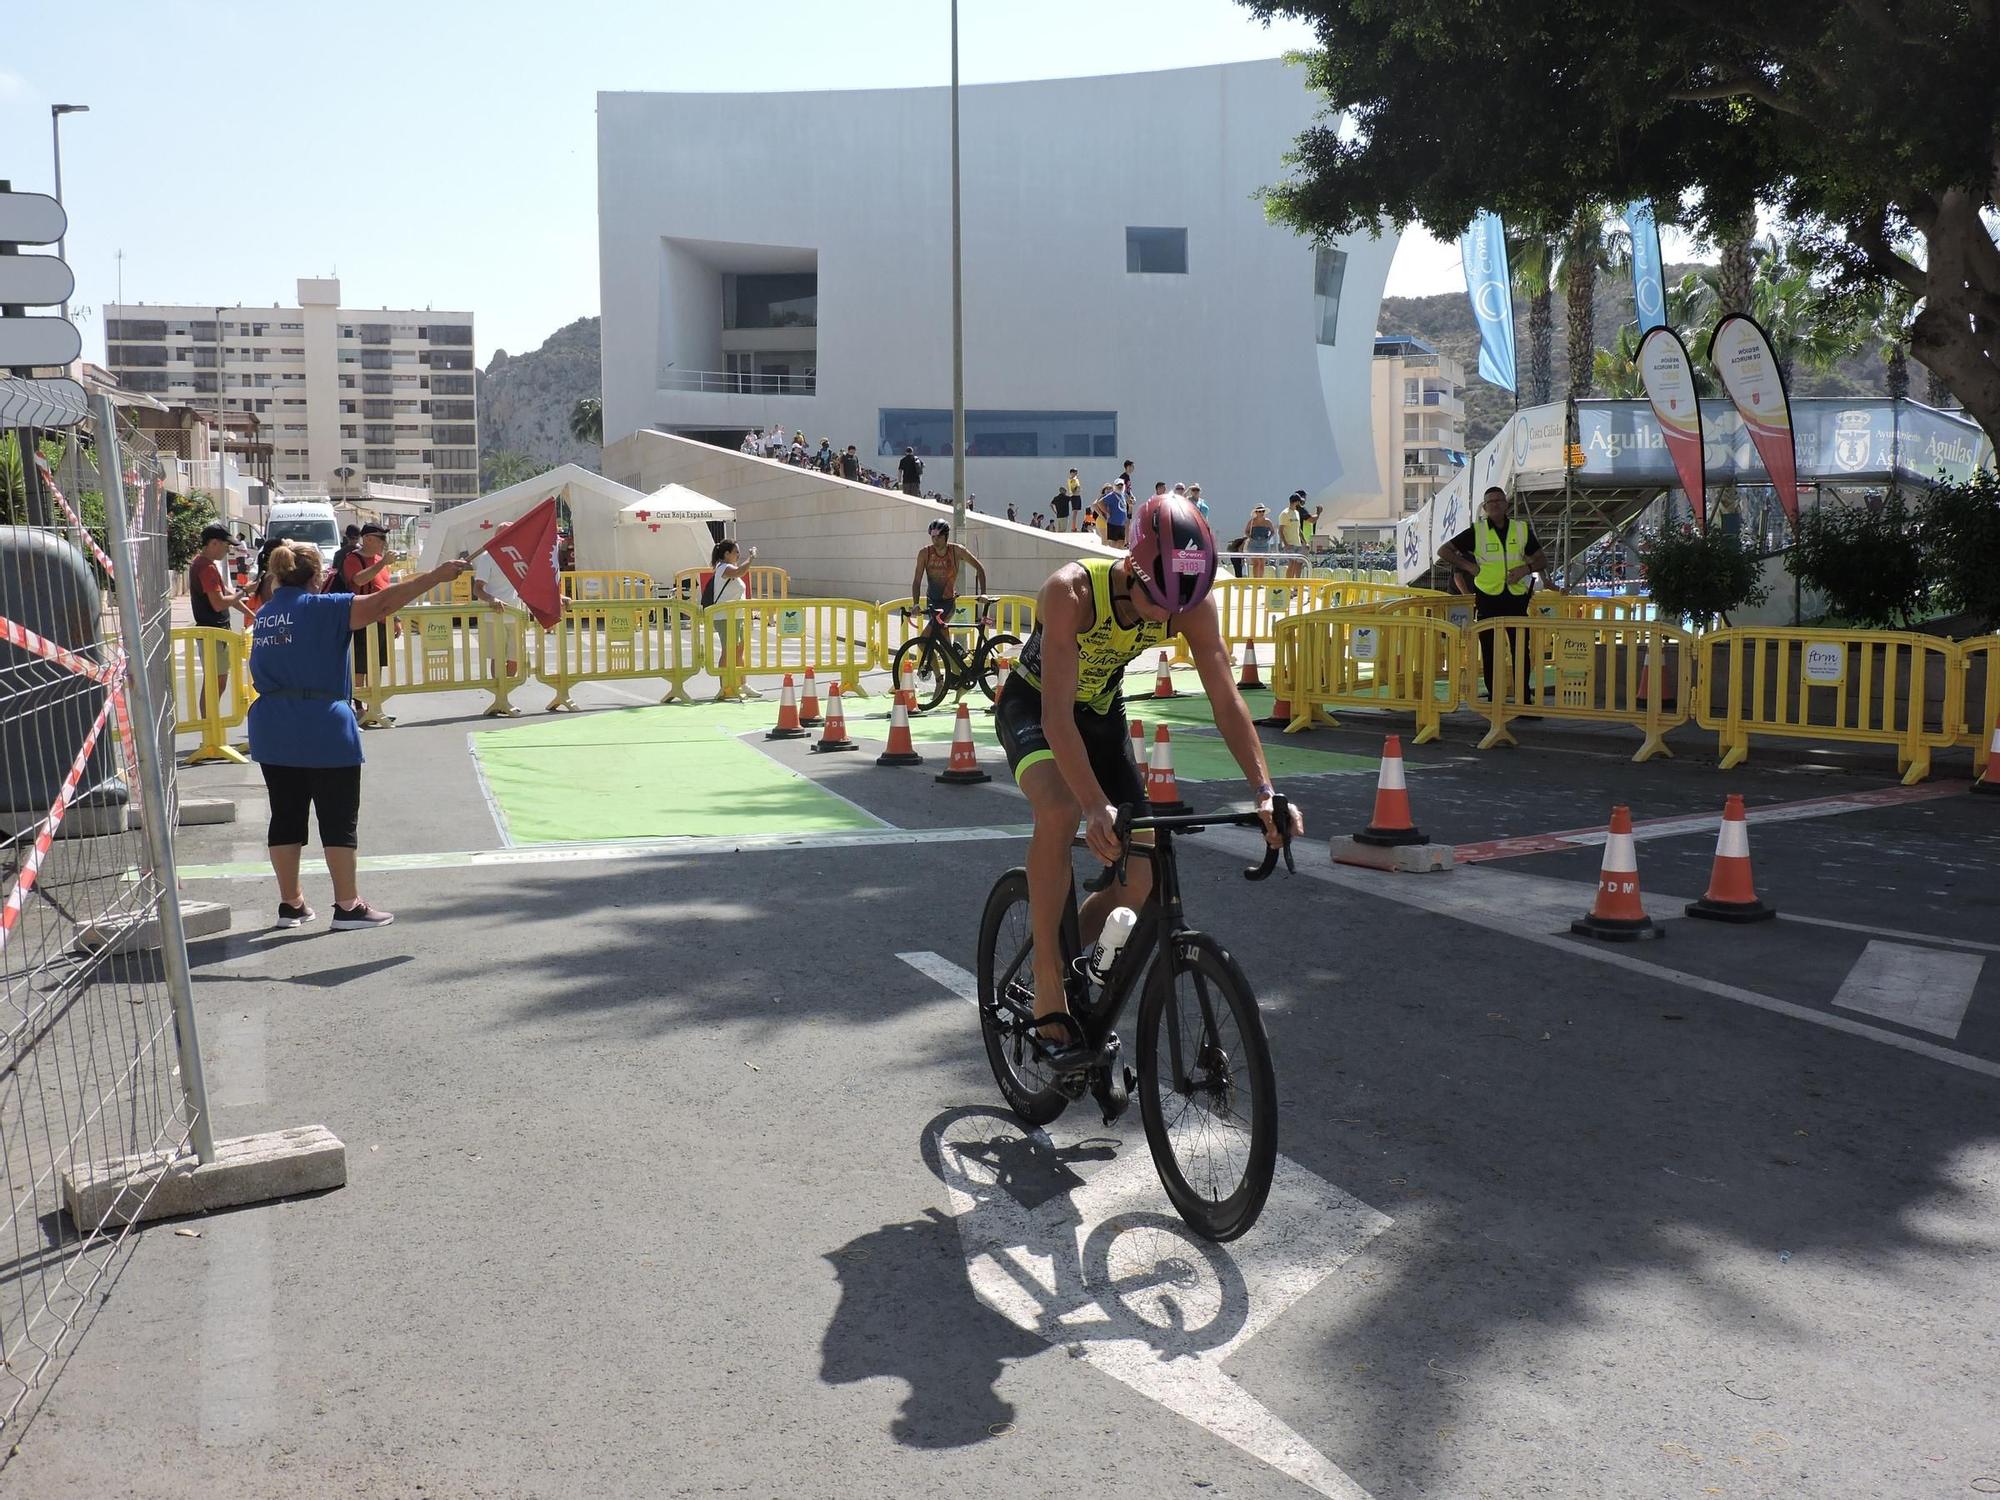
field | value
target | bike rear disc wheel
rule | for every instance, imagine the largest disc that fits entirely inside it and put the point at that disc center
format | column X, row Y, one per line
column 1007, row 1000
column 930, row 670
column 988, row 669
column 1207, row 1091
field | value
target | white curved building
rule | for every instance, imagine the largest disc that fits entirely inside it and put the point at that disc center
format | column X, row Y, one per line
column 786, row 258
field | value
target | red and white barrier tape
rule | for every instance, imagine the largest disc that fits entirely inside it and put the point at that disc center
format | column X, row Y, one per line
column 15, row 634
column 33, row 868
column 49, row 484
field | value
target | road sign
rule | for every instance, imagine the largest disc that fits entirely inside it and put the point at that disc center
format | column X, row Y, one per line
column 31, row 219
column 40, row 403
column 38, row 341
column 34, row 281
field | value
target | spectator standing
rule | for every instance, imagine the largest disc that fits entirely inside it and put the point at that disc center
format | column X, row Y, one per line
column 1291, row 535
column 1258, row 535
column 349, row 540
column 210, row 598
column 1117, row 505
column 911, row 468
column 366, row 571
column 1069, row 513
column 823, row 460
column 1010, row 511
column 302, row 729
column 1194, row 494
column 850, row 464
column 1125, row 478
column 726, row 569
column 1500, row 554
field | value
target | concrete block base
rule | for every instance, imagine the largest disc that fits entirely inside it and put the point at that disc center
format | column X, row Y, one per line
column 202, row 810
column 200, row 919
column 249, row 1169
column 1407, row 859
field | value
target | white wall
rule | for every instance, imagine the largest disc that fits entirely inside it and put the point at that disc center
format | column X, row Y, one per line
column 837, row 540
column 1215, row 375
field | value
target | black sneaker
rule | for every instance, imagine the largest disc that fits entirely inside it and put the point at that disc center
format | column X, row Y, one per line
column 294, row 916
column 360, row 914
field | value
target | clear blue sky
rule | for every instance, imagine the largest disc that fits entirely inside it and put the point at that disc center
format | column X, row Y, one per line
column 443, row 152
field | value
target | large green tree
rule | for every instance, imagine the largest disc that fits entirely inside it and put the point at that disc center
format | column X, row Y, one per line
column 1871, row 126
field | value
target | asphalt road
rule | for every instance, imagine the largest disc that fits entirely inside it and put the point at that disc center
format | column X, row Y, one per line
column 669, row 1176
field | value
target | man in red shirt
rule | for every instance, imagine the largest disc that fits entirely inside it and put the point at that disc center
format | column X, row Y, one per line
column 210, row 599
column 365, row 570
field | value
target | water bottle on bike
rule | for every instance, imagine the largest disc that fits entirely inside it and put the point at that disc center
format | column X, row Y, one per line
column 1102, row 958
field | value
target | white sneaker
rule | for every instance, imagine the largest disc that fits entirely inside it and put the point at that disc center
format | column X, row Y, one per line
column 360, row 914
column 294, row 916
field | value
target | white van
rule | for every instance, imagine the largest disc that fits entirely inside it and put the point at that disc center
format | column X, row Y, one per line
column 305, row 521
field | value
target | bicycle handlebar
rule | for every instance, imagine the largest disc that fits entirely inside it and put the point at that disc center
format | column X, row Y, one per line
column 1128, row 823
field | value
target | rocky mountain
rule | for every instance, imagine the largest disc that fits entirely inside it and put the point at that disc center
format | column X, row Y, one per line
column 1445, row 322
column 525, row 399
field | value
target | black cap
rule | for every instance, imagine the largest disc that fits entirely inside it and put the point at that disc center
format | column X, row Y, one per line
column 374, row 528
column 215, row 531
column 352, row 531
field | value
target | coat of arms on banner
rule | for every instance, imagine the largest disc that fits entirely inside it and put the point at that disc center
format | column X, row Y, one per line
column 1851, row 444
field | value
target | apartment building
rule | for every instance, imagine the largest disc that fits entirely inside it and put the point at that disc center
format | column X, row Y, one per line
column 1417, row 396
column 345, row 397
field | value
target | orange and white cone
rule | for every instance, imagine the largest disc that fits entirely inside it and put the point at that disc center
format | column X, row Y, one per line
column 788, row 727
column 1000, row 683
column 1618, row 915
column 901, row 752
column 1732, row 896
column 1989, row 780
column 834, row 736
column 964, row 767
column 1163, row 793
column 1163, row 680
column 1139, row 745
column 809, row 706
column 1249, row 679
column 1391, row 825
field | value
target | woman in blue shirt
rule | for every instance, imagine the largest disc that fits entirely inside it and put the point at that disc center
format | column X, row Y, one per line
column 302, row 729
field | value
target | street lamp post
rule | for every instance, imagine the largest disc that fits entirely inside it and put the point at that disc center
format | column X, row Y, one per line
column 957, row 315
column 56, row 112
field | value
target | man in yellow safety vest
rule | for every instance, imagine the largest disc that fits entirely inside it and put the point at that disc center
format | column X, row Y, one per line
column 1500, row 555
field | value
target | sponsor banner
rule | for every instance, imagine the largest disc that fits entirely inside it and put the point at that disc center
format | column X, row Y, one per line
column 1649, row 293
column 1744, row 361
column 1668, row 377
column 1483, row 248
column 1826, row 663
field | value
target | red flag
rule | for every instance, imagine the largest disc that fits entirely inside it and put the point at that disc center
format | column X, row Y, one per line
column 526, row 552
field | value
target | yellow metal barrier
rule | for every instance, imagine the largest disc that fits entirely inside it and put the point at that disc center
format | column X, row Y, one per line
column 458, row 591
column 1013, row 614
column 759, row 582
column 1860, row 686
column 766, row 637
column 448, row 648
column 212, row 692
column 606, row 584
column 1343, row 658
column 1612, row 608
column 1638, row 673
column 619, row 640
column 1369, row 594
column 1979, row 697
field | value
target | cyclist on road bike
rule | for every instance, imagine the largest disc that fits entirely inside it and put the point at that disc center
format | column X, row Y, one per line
column 1094, row 618
column 936, row 575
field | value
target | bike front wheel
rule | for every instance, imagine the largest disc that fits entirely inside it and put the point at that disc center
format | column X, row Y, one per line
column 929, row 670
column 987, row 669
column 1007, row 1002
column 1207, row 1092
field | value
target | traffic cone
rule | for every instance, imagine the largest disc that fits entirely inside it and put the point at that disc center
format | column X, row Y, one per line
column 809, row 706
column 1731, row 896
column 1139, row 758
column 1391, row 824
column 1618, row 915
column 834, row 736
column 964, row 767
column 1163, row 680
column 1989, row 780
column 1249, row 679
column 901, row 751
column 1000, row 684
column 1162, row 793
column 788, row 727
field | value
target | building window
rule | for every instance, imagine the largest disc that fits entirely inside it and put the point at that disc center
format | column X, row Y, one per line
column 1156, row 250
column 787, row 299
column 448, row 333
column 1001, row 434
column 1329, row 271
column 1410, row 426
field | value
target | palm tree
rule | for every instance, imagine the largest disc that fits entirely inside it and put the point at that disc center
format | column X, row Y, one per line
column 1615, row 371
column 1532, row 259
column 511, row 467
column 1687, row 306
column 1586, row 250
column 586, row 421
column 1735, row 273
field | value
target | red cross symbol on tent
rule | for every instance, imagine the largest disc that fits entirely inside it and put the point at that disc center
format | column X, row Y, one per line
column 654, row 527
column 485, row 525
column 645, row 515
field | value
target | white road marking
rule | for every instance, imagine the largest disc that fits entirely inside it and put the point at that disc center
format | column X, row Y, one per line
column 1435, row 893
column 945, row 972
column 1918, row 987
column 1096, row 1262
column 1891, row 932
column 1542, row 900
column 486, row 792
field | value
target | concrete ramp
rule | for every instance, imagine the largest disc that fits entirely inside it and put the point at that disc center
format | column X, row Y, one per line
column 836, row 538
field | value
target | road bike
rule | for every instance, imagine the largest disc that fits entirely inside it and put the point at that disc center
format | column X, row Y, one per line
column 934, row 664
column 1207, row 1092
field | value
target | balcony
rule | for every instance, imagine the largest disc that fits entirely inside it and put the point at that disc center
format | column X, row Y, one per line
column 1422, row 471
column 739, row 382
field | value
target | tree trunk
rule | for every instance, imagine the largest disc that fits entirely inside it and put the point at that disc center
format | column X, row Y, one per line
column 1735, row 276
column 1953, row 336
column 1541, row 348
column 1936, row 392
column 1580, row 299
column 1896, row 366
